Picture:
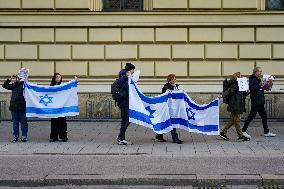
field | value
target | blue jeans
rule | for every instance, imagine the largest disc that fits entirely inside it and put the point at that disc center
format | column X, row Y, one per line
column 19, row 117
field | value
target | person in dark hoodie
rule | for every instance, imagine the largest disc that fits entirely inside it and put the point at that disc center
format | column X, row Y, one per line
column 257, row 103
column 236, row 106
column 123, row 103
column 17, row 107
column 170, row 85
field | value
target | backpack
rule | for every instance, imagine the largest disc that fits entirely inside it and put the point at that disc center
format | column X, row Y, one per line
column 117, row 92
column 225, row 87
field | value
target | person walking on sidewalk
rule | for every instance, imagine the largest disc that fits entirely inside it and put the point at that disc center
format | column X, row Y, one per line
column 170, row 85
column 17, row 107
column 236, row 106
column 123, row 103
column 58, row 125
column 257, row 103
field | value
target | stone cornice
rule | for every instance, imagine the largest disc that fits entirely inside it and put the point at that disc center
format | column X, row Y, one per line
column 137, row 19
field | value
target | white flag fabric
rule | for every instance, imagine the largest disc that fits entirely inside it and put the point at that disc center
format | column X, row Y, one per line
column 173, row 109
column 51, row 101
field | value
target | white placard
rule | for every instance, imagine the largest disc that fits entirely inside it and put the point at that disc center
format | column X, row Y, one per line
column 23, row 74
column 243, row 84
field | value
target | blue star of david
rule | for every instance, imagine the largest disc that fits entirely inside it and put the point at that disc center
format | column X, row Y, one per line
column 45, row 99
column 150, row 111
column 191, row 115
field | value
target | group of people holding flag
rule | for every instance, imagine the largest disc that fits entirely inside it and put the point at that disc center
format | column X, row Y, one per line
column 163, row 113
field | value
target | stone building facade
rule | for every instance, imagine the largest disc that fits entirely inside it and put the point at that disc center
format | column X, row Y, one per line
column 201, row 41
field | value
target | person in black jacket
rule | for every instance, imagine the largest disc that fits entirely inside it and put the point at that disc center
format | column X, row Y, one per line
column 58, row 125
column 257, row 103
column 236, row 106
column 123, row 103
column 170, row 85
column 17, row 107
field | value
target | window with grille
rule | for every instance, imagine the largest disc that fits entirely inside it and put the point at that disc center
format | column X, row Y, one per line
column 122, row 5
column 274, row 4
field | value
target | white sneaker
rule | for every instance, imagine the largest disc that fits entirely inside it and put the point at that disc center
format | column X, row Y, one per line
column 124, row 142
column 246, row 135
column 269, row 134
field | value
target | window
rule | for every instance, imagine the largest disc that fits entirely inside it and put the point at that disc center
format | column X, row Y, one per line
column 275, row 4
column 122, row 5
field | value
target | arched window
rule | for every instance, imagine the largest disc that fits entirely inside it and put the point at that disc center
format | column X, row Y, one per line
column 275, row 4
column 122, row 5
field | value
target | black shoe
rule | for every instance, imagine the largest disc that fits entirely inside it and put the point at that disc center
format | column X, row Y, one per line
column 243, row 138
column 24, row 139
column 223, row 136
column 160, row 139
column 15, row 139
column 64, row 139
column 178, row 141
column 53, row 140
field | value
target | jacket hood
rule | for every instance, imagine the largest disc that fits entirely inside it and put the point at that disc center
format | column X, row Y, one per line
column 122, row 73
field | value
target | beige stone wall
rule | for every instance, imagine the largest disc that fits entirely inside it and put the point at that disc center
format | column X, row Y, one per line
column 201, row 41
column 96, row 5
column 186, row 51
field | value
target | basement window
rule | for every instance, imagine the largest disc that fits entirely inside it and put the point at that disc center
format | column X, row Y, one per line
column 122, row 5
column 274, row 4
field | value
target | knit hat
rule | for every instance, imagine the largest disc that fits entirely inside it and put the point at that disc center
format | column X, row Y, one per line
column 129, row 66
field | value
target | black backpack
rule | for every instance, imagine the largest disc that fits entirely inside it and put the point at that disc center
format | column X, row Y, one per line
column 117, row 92
column 225, row 87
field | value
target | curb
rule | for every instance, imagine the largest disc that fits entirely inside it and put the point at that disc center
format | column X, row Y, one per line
column 159, row 180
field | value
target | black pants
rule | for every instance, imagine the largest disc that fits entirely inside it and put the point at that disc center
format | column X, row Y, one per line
column 261, row 111
column 124, row 122
column 173, row 133
column 58, row 128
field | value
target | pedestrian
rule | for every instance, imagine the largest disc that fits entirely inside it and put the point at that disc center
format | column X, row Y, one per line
column 172, row 86
column 236, row 106
column 257, row 103
column 123, row 103
column 58, row 125
column 17, row 107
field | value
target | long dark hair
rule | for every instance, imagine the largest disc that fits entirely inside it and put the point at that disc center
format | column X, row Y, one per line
column 53, row 81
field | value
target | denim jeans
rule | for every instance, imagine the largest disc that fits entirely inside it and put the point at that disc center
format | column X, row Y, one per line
column 19, row 117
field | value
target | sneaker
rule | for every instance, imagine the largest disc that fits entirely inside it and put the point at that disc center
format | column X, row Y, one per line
column 24, row 139
column 269, row 134
column 124, row 142
column 15, row 140
column 223, row 136
column 246, row 135
column 178, row 141
column 243, row 138
column 160, row 139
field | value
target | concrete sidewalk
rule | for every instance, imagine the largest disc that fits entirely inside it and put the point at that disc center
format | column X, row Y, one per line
column 92, row 157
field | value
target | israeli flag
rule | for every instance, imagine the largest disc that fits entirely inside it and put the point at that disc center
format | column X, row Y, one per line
column 173, row 109
column 51, row 101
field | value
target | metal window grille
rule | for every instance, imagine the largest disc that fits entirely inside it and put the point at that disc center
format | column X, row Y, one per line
column 275, row 4
column 122, row 5
column 99, row 110
column 2, row 110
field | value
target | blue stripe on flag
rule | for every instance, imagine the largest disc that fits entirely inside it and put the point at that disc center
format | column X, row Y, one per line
column 51, row 88
column 163, row 125
column 52, row 110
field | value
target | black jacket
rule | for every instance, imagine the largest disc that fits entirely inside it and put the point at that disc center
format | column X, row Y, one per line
column 123, row 83
column 168, row 86
column 236, row 98
column 256, row 93
column 17, row 102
